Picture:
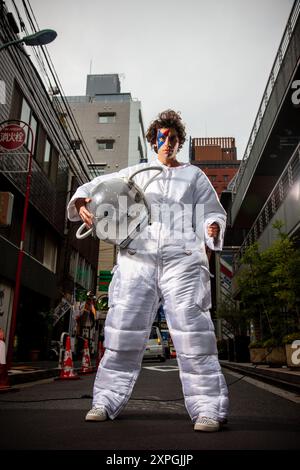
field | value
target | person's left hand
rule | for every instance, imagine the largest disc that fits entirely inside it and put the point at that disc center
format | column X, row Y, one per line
column 213, row 230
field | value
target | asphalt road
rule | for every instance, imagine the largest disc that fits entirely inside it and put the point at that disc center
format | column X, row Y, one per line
column 50, row 415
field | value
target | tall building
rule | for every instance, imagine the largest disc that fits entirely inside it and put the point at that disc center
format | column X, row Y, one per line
column 111, row 124
column 217, row 157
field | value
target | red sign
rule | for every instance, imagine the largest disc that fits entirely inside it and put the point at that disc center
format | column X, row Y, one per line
column 12, row 137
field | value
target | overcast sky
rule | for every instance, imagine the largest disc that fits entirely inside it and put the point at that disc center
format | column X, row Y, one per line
column 208, row 59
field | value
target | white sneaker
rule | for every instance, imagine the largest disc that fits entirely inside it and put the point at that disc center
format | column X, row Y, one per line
column 206, row 424
column 96, row 414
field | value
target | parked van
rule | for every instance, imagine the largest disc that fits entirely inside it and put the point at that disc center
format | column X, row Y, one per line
column 155, row 348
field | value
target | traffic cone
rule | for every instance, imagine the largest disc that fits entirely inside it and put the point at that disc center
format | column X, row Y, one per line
column 67, row 371
column 101, row 350
column 86, row 367
column 172, row 352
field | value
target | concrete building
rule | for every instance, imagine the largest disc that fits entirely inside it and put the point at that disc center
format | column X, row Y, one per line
column 111, row 124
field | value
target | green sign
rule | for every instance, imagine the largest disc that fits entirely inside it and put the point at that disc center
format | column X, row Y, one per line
column 104, row 279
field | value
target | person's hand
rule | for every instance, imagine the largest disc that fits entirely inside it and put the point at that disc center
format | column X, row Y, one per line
column 213, row 230
column 84, row 214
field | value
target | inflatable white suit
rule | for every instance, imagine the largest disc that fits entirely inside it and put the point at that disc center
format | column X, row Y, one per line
column 166, row 262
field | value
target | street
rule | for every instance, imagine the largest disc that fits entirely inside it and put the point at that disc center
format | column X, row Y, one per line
column 50, row 415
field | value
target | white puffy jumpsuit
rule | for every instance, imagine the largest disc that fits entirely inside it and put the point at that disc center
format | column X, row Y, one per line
column 171, row 266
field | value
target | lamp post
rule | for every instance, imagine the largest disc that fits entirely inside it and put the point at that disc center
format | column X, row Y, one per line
column 37, row 39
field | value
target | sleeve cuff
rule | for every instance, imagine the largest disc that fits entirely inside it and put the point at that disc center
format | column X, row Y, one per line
column 214, row 244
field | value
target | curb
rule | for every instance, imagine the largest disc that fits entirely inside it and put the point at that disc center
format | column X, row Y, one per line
column 290, row 382
column 33, row 376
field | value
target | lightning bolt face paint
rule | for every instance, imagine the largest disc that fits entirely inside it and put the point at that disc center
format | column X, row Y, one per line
column 162, row 134
column 167, row 143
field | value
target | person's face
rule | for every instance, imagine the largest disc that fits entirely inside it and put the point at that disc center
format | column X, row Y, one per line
column 167, row 143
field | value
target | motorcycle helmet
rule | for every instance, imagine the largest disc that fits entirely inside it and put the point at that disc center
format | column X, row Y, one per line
column 119, row 208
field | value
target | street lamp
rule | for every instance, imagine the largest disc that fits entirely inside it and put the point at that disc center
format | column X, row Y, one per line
column 37, row 39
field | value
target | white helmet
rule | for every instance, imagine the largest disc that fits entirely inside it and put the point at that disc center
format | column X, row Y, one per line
column 119, row 208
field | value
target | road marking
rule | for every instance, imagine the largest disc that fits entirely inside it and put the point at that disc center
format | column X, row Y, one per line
column 268, row 388
column 162, row 368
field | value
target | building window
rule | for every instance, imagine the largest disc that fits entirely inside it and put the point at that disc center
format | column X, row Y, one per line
column 106, row 118
column 28, row 117
column 212, row 178
column 97, row 169
column 225, row 177
column 105, row 144
column 34, row 241
column 47, row 157
column 50, row 254
column 50, row 161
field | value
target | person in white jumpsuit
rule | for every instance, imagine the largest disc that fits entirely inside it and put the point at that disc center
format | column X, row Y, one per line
column 166, row 263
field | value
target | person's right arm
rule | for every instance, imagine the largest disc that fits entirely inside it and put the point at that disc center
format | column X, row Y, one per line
column 76, row 209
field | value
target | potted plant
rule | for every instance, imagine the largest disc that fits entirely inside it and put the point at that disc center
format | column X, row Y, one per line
column 275, row 355
column 258, row 352
column 292, row 349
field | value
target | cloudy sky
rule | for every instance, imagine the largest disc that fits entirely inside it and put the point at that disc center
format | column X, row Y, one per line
column 208, row 59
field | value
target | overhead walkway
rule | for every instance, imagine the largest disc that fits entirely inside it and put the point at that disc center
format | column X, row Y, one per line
column 275, row 133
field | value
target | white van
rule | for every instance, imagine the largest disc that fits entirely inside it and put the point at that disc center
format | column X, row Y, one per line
column 155, row 348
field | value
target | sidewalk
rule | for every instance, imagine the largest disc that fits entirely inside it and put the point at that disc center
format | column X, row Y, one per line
column 23, row 372
column 282, row 377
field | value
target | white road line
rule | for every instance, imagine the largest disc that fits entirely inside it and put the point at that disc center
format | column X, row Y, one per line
column 162, row 368
column 268, row 388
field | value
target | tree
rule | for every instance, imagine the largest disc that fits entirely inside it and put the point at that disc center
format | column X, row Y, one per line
column 270, row 286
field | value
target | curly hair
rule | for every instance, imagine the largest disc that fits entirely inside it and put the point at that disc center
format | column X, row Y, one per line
column 168, row 118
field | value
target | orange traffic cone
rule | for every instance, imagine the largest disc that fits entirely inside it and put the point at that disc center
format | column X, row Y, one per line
column 67, row 371
column 86, row 367
column 172, row 352
column 101, row 350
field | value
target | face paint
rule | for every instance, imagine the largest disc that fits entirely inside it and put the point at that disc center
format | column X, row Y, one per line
column 167, row 143
column 161, row 137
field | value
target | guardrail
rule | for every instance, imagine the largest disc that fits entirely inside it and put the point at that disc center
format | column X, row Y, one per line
column 277, row 196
